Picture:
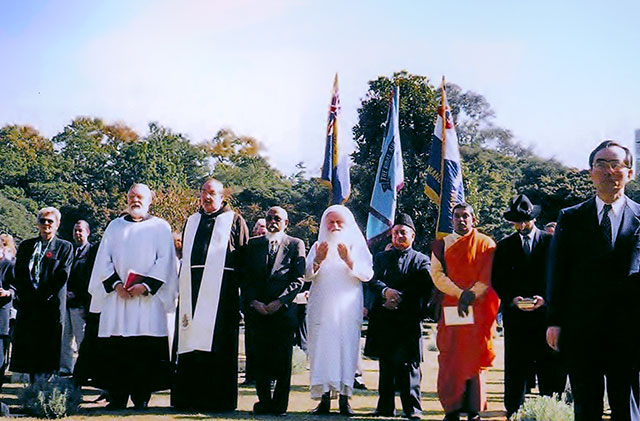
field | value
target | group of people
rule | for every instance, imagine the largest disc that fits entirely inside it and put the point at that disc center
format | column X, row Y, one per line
column 556, row 292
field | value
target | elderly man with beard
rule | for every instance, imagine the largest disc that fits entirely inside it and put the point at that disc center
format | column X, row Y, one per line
column 337, row 265
column 401, row 287
column 133, row 286
column 273, row 268
column 461, row 270
column 41, row 270
column 208, row 313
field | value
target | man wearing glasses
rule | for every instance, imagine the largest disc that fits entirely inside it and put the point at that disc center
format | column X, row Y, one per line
column 272, row 274
column 40, row 273
column 594, row 280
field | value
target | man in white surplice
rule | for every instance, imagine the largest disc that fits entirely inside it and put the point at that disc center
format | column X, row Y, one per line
column 133, row 286
column 336, row 265
column 208, row 314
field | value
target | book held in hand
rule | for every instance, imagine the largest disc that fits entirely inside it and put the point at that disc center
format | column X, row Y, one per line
column 133, row 279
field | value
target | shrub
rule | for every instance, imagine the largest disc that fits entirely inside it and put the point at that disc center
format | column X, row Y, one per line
column 544, row 408
column 51, row 397
column 298, row 361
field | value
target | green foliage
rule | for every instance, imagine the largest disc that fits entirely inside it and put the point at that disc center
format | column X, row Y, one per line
column 51, row 397
column 86, row 169
column 15, row 219
column 544, row 408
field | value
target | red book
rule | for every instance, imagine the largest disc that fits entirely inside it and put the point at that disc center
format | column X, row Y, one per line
column 133, row 279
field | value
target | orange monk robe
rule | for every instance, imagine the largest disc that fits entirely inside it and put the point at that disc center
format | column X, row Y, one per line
column 465, row 350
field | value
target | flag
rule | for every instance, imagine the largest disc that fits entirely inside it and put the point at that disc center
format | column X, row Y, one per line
column 335, row 169
column 444, row 172
column 389, row 178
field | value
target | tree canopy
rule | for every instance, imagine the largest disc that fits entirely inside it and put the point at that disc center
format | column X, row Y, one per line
column 86, row 169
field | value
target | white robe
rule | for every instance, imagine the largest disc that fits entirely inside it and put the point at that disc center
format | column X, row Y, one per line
column 334, row 319
column 145, row 248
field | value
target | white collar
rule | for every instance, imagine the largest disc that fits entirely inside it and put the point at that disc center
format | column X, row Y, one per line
column 616, row 207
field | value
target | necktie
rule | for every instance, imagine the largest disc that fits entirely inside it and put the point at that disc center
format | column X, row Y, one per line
column 273, row 249
column 526, row 245
column 605, row 225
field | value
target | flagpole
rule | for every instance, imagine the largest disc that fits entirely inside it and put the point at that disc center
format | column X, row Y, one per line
column 442, row 151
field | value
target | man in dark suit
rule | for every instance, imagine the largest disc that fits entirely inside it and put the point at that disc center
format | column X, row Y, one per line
column 401, row 287
column 78, row 296
column 593, row 287
column 518, row 275
column 272, row 275
column 40, row 274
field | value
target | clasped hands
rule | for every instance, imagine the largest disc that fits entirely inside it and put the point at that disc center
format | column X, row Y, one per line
column 131, row 292
column 538, row 302
column 322, row 249
column 393, row 297
column 266, row 309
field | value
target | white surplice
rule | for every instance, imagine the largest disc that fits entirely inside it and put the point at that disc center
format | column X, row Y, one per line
column 145, row 248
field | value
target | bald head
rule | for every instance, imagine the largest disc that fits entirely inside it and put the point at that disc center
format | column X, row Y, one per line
column 138, row 201
column 277, row 219
column 211, row 195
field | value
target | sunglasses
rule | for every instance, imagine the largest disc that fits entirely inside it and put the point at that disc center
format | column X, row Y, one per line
column 273, row 218
column 46, row 221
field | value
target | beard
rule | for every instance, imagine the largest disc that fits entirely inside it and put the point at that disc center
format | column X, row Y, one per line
column 336, row 237
column 138, row 212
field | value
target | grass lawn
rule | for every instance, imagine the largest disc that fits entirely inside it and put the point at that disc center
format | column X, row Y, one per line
column 363, row 401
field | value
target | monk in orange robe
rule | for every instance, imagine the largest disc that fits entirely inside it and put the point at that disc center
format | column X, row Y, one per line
column 461, row 270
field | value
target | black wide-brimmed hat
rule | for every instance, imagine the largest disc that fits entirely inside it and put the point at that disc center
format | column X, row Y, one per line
column 404, row 219
column 521, row 210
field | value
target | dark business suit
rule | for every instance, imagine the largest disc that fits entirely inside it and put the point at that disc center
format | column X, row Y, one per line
column 593, row 293
column 395, row 336
column 38, row 332
column 267, row 279
column 6, row 269
column 513, row 274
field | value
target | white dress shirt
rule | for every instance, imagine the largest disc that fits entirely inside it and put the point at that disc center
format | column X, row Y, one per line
column 615, row 214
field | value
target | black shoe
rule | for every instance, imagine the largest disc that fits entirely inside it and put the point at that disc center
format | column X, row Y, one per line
column 385, row 414
column 140, row 406
column 345, row 408
column 261, row 409
column 453, row 416
column 474, row 417
column 357, row 384
column 324, row 407
column 415, row 415
column 115, row 406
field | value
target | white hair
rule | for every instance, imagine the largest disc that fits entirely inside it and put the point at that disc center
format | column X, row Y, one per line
column 47, row 211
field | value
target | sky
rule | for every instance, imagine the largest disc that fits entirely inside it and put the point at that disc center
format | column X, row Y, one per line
column 561, row 75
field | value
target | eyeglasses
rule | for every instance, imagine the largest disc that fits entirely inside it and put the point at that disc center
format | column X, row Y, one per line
column 46, row 221
column 609, row 165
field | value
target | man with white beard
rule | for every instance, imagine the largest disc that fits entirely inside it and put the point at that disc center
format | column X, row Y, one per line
column 133, row 285
column 337, row 264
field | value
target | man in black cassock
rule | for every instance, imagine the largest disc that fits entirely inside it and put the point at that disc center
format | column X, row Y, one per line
column 401, row 287
column 209, row 306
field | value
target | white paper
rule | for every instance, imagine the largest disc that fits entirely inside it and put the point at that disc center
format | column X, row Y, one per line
column 451, row 317
column 301, row 298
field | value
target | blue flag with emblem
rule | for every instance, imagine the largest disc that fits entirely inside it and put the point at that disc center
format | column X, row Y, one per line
column 335, row 169
column 389, row 178
column 444, row 172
